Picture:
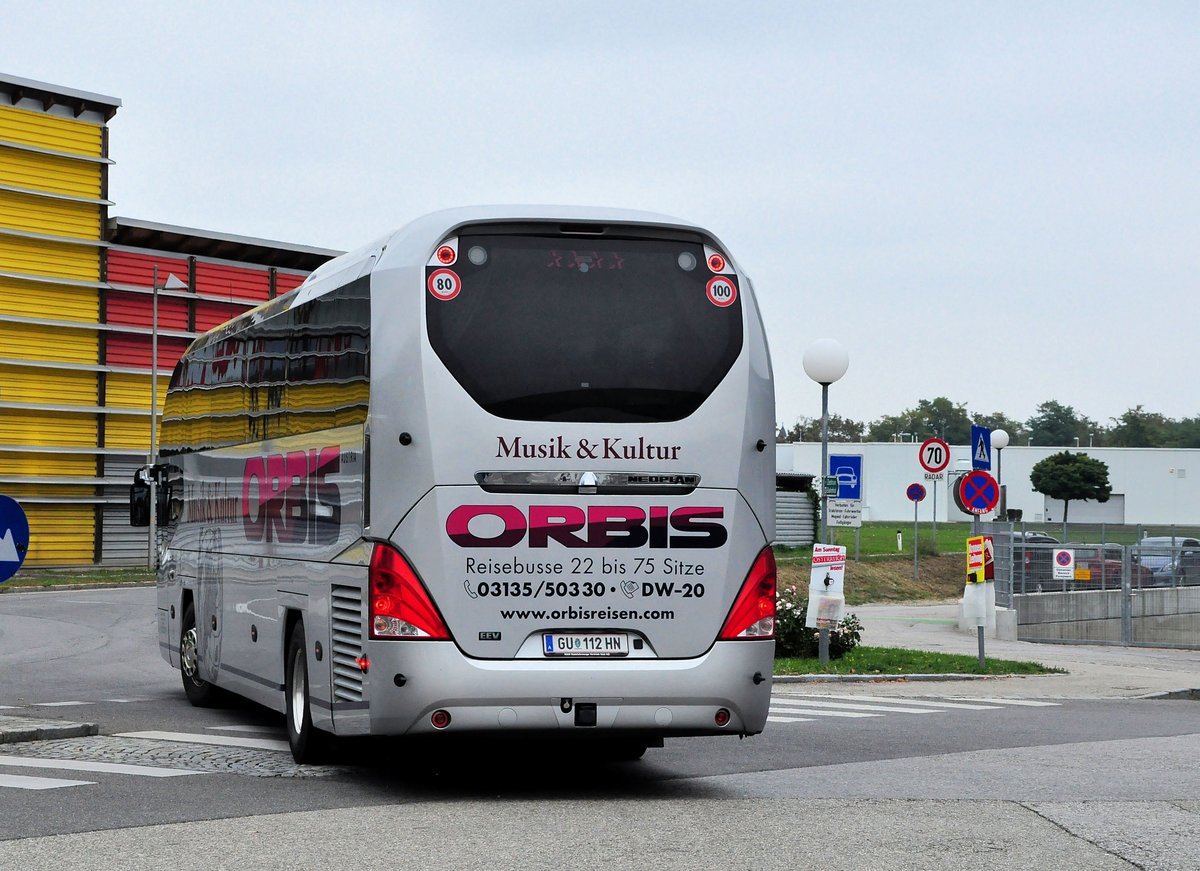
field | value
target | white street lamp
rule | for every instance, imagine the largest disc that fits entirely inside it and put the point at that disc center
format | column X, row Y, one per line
column 825, row 361
column 172, row 283
column 1000, row 442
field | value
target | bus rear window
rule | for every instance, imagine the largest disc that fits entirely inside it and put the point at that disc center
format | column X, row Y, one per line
column 563, row 329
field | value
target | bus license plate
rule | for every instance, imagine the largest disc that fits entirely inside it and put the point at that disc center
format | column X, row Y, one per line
column 585, row 644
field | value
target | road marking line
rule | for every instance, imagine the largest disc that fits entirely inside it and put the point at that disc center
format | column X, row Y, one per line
column 1028, row 703
column 818, row 713
column 271, row 730
column 771, row 719
column 98, row 767
column 925, row 703
column 19, row 781
column 126, row 701
column 856, row 707
column 60, row 704
column 218, row 740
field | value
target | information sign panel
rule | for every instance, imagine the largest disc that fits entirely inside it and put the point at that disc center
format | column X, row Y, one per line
column 844, row 512
column 848, row 470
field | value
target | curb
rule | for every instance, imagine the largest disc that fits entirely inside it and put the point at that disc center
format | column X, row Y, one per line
column 18, row 729
column 879, row 678
column 1192, row 695
column 52, row 588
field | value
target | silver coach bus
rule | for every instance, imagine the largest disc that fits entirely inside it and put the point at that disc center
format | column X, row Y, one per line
column 504, row 470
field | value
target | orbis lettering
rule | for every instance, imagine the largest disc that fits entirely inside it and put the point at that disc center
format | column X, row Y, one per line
column 598, row 526
column 286, row 498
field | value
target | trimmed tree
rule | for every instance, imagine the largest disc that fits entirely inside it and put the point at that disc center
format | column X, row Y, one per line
column 1068, row 476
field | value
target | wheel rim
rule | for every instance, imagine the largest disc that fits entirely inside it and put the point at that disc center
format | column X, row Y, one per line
column 187, row 655
column 298, row 692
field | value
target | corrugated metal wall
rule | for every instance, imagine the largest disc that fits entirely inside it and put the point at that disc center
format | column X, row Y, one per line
column 75, row 324
column 51, row 213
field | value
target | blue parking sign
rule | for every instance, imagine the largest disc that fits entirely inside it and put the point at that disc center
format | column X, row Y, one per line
column 847, row 469
column 14, row 537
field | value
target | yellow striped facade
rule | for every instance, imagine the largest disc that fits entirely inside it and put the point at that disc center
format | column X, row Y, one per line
column 41, row 130
column 34, row 464
column 56, row 532
column 38, row 342
column 133, row 391
column 57, row 166
column 127, row 431
column 59, row 302
column 51, row 217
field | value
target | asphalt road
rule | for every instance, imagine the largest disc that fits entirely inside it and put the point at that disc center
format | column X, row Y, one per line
column 841, row 778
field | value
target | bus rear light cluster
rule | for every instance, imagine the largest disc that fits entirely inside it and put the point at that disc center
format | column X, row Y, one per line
column 753, row 613
column 440, row 719
column 446, row 255
column 716, row 262
column 400, row 606
column 721, row 718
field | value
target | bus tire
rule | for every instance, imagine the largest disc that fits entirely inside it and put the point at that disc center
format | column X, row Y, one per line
column 309, row 744
column 199, row 692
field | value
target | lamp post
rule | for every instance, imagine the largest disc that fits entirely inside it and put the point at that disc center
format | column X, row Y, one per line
column 1000, row 442
column 172, row 283
column 825, row 361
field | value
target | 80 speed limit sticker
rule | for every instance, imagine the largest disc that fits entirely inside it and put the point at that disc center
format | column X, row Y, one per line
column 444, row 284
column 721, row 291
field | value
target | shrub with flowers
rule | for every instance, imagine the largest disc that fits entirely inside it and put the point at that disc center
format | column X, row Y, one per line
column 793, row 638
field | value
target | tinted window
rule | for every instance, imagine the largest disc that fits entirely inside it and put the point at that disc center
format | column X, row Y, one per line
column 280, row 371
column 551, row 328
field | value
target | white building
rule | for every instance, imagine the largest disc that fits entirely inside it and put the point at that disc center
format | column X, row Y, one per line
column 1149, row 485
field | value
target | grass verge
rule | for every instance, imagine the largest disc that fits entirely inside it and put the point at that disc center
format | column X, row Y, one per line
column 36, row 578
column 897, row 660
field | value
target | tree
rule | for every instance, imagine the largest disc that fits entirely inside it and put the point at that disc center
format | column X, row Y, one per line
column 936, row 417
column 808, row 429
column 999, row 420
column 1183, row 433
column 1058, row 424
column 1068, row 476
column 1138, row 428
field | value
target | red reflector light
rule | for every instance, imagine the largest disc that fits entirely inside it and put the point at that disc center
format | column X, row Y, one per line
column 440, row 719
column 753, row 612
column 446, row 255
column 716, row 262
column 364, row 664
column 400, row 606
column 722, row 717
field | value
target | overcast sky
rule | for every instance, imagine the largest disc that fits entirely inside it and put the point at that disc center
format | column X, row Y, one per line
column 994, row 202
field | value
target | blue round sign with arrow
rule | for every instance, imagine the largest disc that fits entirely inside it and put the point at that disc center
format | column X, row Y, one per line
column 14, row 537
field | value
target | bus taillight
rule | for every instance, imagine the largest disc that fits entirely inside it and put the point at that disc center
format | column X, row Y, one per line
column 400, row 607
column 753, row 613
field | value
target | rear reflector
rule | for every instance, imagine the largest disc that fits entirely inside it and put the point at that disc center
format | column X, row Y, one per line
column 400, row 607
column 753, row 613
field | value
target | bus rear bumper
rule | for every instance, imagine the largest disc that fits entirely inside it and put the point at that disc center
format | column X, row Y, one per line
column 410, row 681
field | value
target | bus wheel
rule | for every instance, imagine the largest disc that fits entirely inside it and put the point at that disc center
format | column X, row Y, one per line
column 199, row 692
column 308, row 743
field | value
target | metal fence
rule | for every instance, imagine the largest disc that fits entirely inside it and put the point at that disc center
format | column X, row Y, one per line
column 1133, row 585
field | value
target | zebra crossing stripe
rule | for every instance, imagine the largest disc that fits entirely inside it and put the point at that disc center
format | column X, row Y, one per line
column 925, row 703
column 813, row 712
column 18, row 781
column 218, row 740
column 855, row 707
column 1028, row 703
column 97, row 767
column 774, row 719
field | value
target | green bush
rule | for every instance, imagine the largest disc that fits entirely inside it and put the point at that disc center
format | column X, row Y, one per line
column 793, row 638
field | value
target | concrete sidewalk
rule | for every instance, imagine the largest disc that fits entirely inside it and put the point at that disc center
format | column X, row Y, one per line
column 1094, row 671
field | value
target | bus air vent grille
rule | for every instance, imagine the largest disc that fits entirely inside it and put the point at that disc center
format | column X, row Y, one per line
column 347, row 643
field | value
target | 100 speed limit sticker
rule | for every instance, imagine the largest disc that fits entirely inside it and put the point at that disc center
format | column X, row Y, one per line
column 721, row 291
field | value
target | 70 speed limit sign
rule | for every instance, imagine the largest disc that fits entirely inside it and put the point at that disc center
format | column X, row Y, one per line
column 934, row 456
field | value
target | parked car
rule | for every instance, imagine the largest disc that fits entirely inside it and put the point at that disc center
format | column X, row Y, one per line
column 1099, row 566
column 1171, row 560
column 1032, row 561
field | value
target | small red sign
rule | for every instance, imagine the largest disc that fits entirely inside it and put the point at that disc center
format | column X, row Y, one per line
column 916, row 492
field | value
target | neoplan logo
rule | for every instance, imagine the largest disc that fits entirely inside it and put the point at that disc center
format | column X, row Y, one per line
column 286, row 498
column 599, row 526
